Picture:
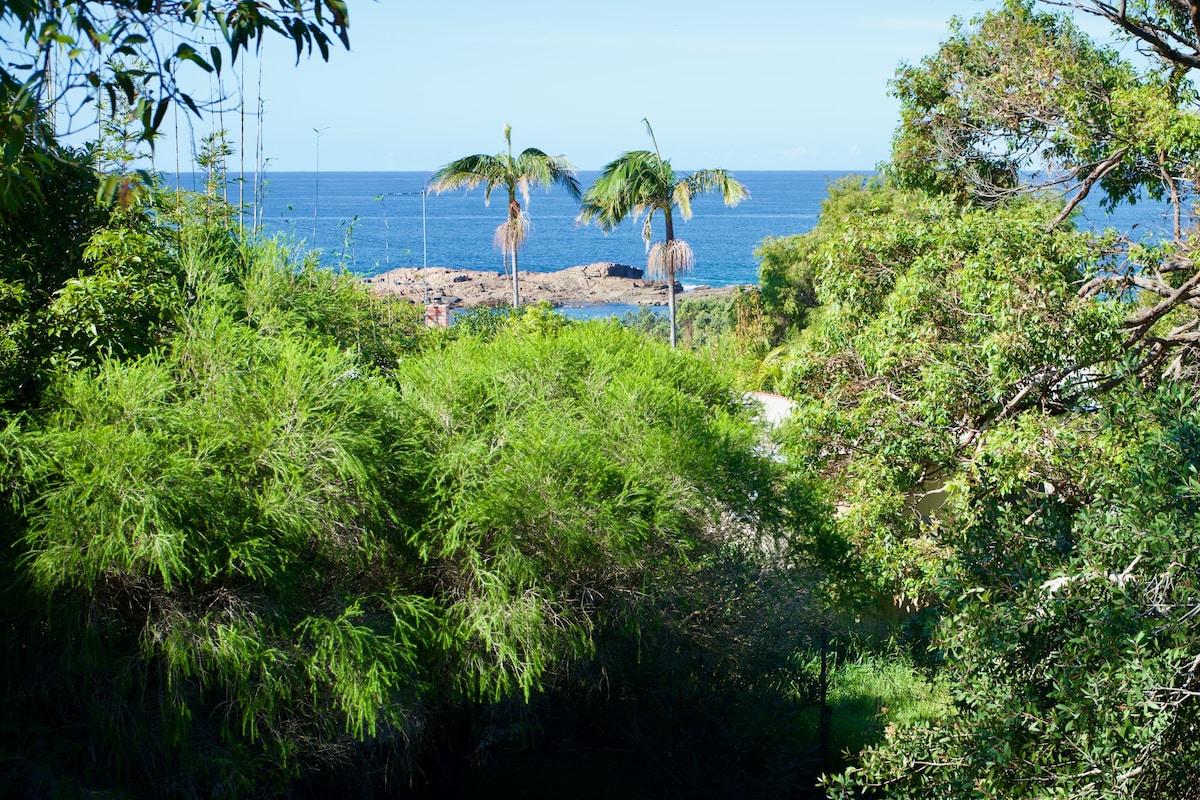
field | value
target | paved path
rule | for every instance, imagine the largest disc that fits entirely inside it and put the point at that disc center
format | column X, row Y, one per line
column 776, row 408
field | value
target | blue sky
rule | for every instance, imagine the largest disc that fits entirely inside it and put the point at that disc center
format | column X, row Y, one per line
column 748, row 84
column 755, row 84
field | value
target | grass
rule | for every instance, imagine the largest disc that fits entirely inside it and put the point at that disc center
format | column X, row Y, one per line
column 868, row 694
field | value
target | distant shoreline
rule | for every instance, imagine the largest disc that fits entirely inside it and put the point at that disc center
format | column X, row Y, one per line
column 603, row 283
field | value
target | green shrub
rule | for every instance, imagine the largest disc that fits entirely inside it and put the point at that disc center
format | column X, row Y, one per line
column 295, row 531
column 1069, row 652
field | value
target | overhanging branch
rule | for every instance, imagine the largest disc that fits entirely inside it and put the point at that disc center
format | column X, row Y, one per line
column 1143, row 29
column 1103, row 168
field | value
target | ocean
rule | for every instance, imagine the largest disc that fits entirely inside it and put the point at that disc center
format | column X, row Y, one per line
column 370, row 222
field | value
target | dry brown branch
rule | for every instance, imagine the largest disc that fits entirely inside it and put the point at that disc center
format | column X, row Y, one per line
column 1098, row 172
column 1168, row 44
column 1142, row 322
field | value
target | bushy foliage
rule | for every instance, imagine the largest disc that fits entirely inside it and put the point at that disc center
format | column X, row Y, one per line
column 786, row 278
column 701, row 321
column 790, row 266
column 282, row 533
column 732, row 331
column 42, row 241
column 125, row 296
column 1016, row 92
column 206, row 569
column 1069, row 645
column 559, row 465
column 933, row 323
column 481, row 322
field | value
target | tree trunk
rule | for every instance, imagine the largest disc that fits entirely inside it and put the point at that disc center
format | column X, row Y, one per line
column 671, row 301
column 516, row 286
column 826, row 719
column 514, row 222
column 670, row 274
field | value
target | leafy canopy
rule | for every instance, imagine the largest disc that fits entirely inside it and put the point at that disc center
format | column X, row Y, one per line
column 1170, row 29
column 930, row 324
column 1068, row 640
column 1019, row 101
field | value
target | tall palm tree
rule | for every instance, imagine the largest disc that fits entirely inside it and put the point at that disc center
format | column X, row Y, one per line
column 640, row 182
column 530, row 169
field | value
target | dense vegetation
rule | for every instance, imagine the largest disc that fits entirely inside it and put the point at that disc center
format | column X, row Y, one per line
column 263, row 534
column 1003, row 410
column 264, row 531
column 1015, row 489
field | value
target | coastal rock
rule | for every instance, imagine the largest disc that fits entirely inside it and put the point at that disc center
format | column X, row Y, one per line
column 608, row 269
column 602, row 283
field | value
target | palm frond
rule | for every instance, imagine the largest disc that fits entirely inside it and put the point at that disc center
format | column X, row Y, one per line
column 468, row 173
column 647, row 230
column 721, row 181
column 681, row 195
column 540, row 169
column 634, row 183
column 518, row 174
column 653, row 140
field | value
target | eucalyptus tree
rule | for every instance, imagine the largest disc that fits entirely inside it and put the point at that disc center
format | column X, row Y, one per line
column 1072, row 667
column 643, row 182
column 517, row 174
column 1018, row 101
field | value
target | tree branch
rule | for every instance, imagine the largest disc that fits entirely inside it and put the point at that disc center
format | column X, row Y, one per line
column 1103, row 168
column 1142, row 322
column 1141, row 29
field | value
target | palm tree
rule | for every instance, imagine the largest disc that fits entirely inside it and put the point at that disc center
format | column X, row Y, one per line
column 640, row 182
column 530, row 169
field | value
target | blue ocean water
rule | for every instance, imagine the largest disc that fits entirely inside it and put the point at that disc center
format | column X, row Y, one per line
column 370, row 222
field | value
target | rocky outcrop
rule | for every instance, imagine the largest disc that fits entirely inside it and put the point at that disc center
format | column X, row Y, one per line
column 590, row 284
column 607, row 269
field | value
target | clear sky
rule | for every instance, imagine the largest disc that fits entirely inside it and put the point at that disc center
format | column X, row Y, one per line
column 739, row 84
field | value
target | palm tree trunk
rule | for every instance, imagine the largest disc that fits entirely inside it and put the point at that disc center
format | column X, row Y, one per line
column 514, row 222
column 516, row 286
column 671, row 301
column 670, row 274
